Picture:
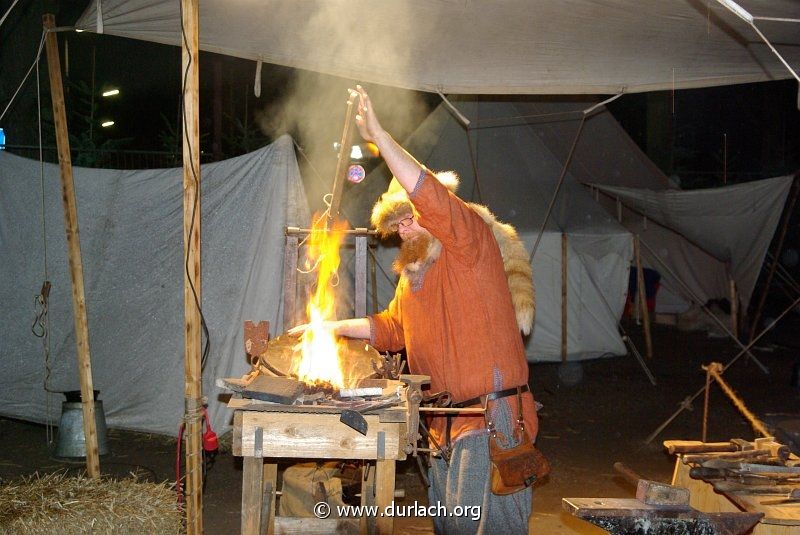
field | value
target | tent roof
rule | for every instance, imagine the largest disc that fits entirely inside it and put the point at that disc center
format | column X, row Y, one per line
column 485, row 47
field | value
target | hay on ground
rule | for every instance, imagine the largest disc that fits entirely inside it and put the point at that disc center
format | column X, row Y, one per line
column 57, row 503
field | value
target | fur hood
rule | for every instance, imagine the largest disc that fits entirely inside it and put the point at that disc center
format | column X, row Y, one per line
column 395, row 204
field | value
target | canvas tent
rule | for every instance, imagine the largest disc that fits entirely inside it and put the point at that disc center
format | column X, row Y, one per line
column 696, row 240
column 481, row 47
column 130, row 224
column 733, row 224
column 513, row 47
column 517, row 177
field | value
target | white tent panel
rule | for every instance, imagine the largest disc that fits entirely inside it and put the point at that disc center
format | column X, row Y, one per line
column 131, row 234
column 735, row 223
column 597, row 284
column 484, row 47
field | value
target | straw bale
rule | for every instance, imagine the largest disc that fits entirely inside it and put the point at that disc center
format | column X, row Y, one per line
column 57, row 503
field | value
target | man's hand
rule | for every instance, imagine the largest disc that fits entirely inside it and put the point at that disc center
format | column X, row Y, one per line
column 366, row 120
column 352, row 328
column 299, row 330
column 403, row 166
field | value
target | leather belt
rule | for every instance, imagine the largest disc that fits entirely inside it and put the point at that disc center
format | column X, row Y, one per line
column 499, row 394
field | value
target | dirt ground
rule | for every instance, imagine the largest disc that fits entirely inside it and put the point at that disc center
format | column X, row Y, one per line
column 595, row 413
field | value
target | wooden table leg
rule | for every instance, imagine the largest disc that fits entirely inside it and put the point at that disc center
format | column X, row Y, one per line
column 270, row 488
column 252, row 491
column 367, row 523
column 384, row 494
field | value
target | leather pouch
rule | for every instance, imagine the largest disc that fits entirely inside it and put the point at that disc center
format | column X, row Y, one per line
column 515, row 468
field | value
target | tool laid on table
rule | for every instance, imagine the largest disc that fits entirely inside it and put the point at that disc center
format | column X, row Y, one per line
column 761, row 448
column 792, row 497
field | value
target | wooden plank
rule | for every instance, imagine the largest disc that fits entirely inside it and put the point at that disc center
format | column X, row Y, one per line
column 252, row 491
column 192, row 280
column 316, row 436
column 384, row 494
column 285, row 525
column 361, row 276
column 74, row 250
column 398, row 414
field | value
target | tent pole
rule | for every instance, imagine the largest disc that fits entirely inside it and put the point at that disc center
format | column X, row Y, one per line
column 192, row 283
column 787, row 215
column 564, row 317
column 641, row 296
column 734, row 307
column 74, row 250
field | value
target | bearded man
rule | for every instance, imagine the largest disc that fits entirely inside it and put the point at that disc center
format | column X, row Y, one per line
column 464, row 293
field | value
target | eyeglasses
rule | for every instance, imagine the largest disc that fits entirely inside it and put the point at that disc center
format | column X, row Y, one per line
column 405, row 222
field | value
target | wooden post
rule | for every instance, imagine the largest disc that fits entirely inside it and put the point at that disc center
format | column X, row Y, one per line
column 641, row 294
column 384, row 494
column 290, row 255
column 361, row 274
column 270, row 494
column 367, row 523
column 564, row 315
column 192, row 287
column 341, row 163
column 74, row 250
column 252, row 494
column 374, row 278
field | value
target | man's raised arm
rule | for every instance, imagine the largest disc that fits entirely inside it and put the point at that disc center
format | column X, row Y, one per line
column 403, row 165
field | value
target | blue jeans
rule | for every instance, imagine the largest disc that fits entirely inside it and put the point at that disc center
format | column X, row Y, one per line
column 464, row 488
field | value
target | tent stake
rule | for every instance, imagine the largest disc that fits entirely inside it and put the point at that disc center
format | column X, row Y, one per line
column 74, row 249
column 192, row 283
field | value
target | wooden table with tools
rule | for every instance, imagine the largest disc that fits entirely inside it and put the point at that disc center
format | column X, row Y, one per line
column 760, row 476
column 265, row 433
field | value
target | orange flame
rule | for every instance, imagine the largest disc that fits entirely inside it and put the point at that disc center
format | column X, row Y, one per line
column 320, row 348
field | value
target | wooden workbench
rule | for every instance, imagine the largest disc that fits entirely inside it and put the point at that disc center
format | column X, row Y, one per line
column 781, row 519
column 264, row 436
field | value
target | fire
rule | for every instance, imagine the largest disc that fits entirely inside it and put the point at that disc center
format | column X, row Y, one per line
column 319, row 347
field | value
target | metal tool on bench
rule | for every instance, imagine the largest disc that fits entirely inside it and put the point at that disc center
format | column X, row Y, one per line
column 354, row 417
column 792, row 498
column 765, row 448
column 659, row 509
column 414, row 397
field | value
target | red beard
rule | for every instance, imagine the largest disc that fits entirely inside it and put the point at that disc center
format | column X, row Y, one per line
column 412, row 250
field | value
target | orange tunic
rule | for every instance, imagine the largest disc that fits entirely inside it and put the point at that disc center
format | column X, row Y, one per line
column 459, row 327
